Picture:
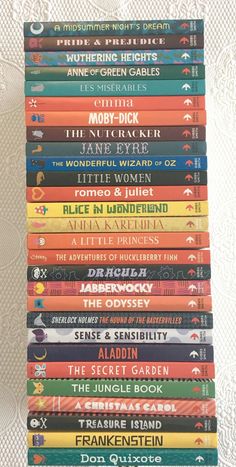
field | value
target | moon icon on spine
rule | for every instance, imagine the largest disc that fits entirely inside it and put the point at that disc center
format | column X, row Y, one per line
column 43, row 356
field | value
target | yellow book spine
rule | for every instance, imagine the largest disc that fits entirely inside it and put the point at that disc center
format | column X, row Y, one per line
column 121, row 224
column 122, row 440
column 104, row 209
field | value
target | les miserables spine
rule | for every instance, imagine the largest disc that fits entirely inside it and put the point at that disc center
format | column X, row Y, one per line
column 117, row 321
column 94, row 28
column 46, row 421
column 77, row 73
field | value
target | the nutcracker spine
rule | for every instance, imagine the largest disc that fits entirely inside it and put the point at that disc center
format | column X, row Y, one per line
column 112, row 241
column 121, row 370
column 150, row 103
column 116, row 164
column 124, row 458
column 77, row 73
column 58, row 288
column 48, row 421
column 94, row 28
column 112, row 335
column 118, row 57
column 119, row 352
column 118, row 321
column 134, row 134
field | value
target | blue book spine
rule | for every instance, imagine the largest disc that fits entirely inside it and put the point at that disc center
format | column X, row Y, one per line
column 120, row 352
column 116, row 164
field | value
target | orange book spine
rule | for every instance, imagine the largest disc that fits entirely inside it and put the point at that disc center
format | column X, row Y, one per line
column 109, row 241
column 120, row 118
column 119, row 257
column 70, row 104
column 121, row 405
column 120, row 303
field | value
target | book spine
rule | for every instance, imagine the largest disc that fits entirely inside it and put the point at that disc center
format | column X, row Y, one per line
column 177, row 321
column 150, row 103
column 94, row 28
column 119, row 224
column 123, row 439
column 106, row 209
column 179, row 148
column 116, row 164
column 121, row 288
column 158, row 42
column 100, row 257
column 120, row 370
column 118, row 241
column 115, row 352
column 122, row 388
column 187, row 407
column 134, row 134
column 138, row 178
column 119, row 57
column 72, row 422
column 113, row 88
column 122, row 335
column 118, row 273
column 77, row 73
column 126, row 457
column 120, row 118
column 122, row 303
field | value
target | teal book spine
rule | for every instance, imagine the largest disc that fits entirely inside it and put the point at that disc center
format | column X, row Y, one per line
column 118, row 57
column 121, row 88
column 122, row 457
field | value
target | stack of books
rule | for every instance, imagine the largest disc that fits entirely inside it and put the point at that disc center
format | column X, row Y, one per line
column 120, row 354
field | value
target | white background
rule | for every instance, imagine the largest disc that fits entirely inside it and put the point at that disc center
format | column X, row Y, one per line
column 220, row 47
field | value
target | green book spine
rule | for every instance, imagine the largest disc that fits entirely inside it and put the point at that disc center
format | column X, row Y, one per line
column 122, row 388
column 122, row 457
column 114, row 72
